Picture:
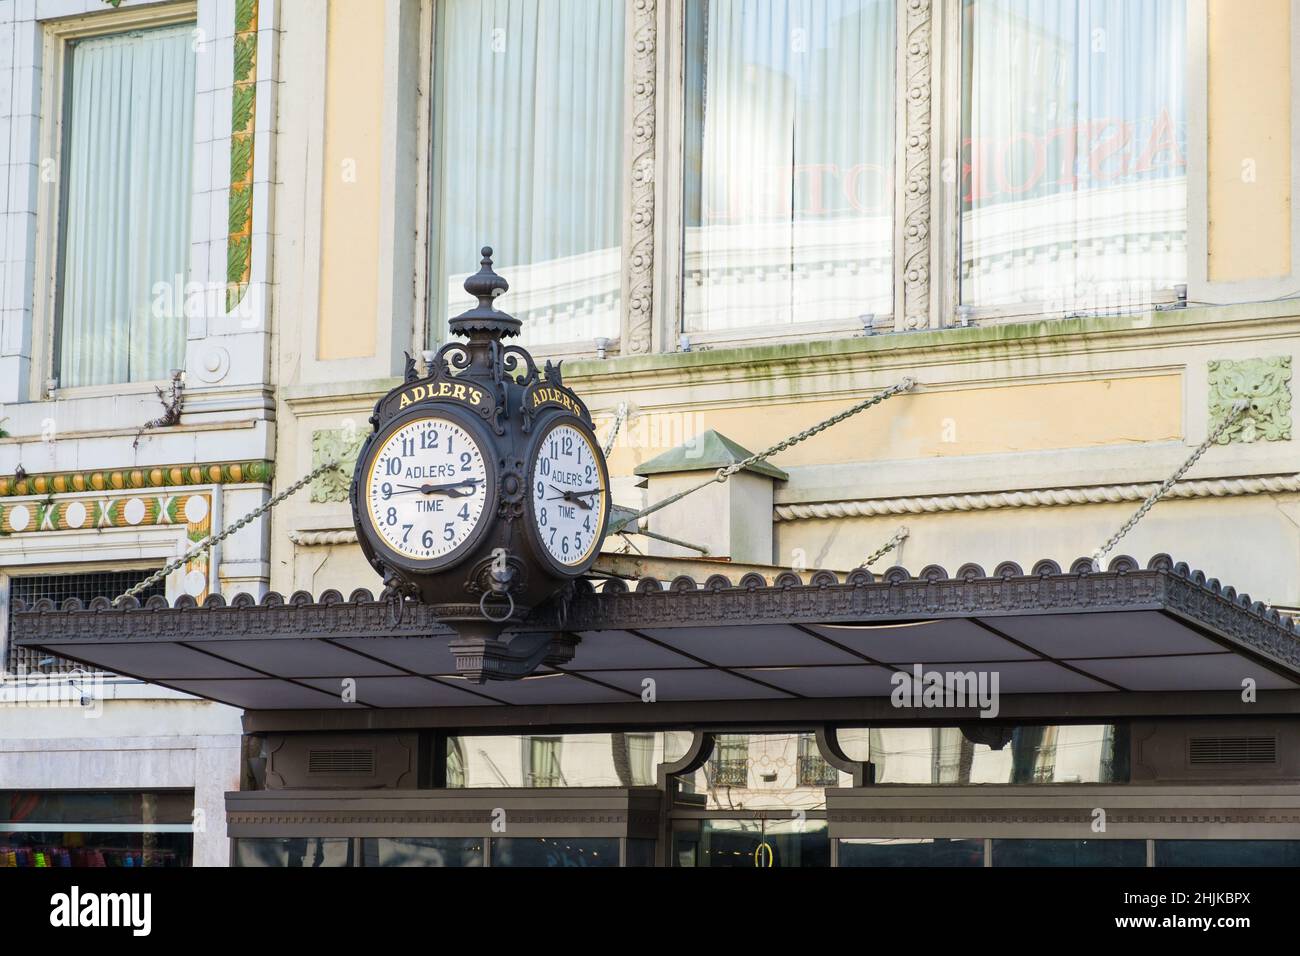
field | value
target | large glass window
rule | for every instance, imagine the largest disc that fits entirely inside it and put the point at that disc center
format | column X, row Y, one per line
column 565, row 760
column 294, row 852
column 788, row 191
column 896, row 852
column 946, row 756
column 1074, row 153
column 528, row 149
column 555, row 851
column 1069, row 853
column 422, row 851
column 96, row 828
column 128, row 147
column 1227, row 853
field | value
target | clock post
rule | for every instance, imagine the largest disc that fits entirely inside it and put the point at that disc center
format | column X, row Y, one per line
column 482, row 491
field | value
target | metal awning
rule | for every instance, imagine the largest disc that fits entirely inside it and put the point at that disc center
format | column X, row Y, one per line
column 1050, row 631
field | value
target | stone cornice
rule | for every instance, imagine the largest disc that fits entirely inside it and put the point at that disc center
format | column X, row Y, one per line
column 1037, row 498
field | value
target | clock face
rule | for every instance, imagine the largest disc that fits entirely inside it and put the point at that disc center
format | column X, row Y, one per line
column 567, row 486
column 426, row 488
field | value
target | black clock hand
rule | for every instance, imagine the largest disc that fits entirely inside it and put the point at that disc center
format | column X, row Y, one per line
column 450, row 489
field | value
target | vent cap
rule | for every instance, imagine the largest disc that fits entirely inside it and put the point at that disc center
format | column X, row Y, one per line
column 1206, row 751
column 341, row 761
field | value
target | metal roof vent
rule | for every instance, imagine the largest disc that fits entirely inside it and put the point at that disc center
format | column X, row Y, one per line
column 1205, row 751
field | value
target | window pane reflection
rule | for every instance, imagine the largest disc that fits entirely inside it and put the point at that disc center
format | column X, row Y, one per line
column 422, row 851
column 1069, row 853
column 1083, row 753
column 561, row 760
column 555, row 851
column 757, row 771
column 539, row 175
column 788, row 161
column 294, row 852
column 907, row 852
column 1228, row 853
column 754, row 844
column 1074, row 152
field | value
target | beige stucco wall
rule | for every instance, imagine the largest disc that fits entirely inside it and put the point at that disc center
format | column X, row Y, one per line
column 1249, row 178
column 350, row 181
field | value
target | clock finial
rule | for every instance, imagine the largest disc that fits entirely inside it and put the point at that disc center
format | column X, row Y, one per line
column 485, row 285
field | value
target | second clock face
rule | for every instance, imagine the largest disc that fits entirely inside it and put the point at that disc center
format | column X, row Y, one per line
column 426, row 488
column 567, row 488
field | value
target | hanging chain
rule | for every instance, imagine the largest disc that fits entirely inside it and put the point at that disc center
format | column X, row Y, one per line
column 724, row 473
column 212, row 540
column 899, row 537
column 619, row 418
column 1238, row 409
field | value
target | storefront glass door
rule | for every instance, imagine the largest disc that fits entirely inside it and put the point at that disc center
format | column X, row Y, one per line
column 753, row 843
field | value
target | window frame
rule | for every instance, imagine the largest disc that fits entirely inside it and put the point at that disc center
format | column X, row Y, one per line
column 669, row 280
column 427, row 213
column 58, row 36
column 946, row 209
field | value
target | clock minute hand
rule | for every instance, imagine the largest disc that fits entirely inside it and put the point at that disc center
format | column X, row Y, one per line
column 450, row 489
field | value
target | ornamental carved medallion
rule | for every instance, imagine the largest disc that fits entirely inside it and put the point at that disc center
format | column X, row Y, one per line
column 1266, row 384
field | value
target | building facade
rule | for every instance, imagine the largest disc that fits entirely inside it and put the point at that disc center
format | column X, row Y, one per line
column 1070, row 224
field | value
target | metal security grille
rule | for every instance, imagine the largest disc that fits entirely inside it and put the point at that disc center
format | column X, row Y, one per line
column 58, row 588
column 341, row 761
column 1231, row 750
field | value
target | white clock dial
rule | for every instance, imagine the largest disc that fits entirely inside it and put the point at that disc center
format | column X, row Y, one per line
column 427, row 488
column 568, row 495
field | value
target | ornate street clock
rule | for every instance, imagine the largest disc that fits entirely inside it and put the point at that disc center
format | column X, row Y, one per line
column 483, row 491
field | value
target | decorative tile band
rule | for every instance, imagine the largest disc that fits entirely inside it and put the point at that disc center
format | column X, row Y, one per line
column 243, row 114
column 126, row 479
column 191, row 510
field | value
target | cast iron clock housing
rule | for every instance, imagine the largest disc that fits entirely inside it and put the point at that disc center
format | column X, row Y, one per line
column 501, row 570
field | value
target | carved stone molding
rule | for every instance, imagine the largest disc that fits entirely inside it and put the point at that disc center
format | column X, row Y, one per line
column 1266, row 384
column 914, row 310
column 638, row 252
column 334, row 444
column 1035, row 498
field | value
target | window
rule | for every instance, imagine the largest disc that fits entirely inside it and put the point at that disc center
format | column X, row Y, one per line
column 1073, row 853
column 96, row 828
column 1074, row 154
column 528, row 153
column 84, row 586
column 125, row 206
column 899, row 852
column 544, row 762
column 814, row 771
column 729, row 765
column 788, row 169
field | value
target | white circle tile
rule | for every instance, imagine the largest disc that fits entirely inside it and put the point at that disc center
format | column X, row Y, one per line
column 134, row 511
column 196, row 508
column 195, row 582
column 75, row 515
column 19, row 517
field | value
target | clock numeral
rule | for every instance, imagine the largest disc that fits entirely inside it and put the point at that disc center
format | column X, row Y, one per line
column 448, row 531
column 428, row 441
column 408, row 446
column 541, row 490
column 544, row 466
column 463, row 513
column 465, row 459
column 406, row 532
column 393, row 466
column 426, row 539
column 542, row 518
column 387, row 489
column 392, row 516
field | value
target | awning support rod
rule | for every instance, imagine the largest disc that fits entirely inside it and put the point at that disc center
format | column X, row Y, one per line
column 1238, row 409
column 723, row 474
column 898, row 538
